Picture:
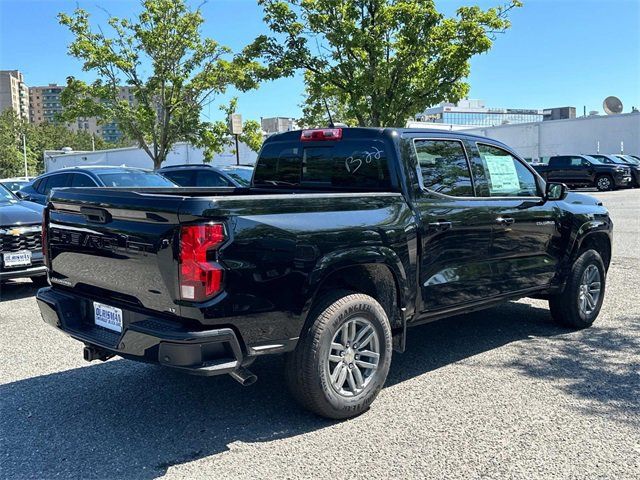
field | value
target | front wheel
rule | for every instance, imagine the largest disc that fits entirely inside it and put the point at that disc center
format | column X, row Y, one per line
column 341, row 362
column 579, row 304
column 604, row 183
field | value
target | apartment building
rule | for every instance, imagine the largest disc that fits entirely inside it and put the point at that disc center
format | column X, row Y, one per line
column 45, row 103
column 14, row 93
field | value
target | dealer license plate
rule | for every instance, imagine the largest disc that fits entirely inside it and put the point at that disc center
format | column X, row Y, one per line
column 17, row 259
column 107, row 316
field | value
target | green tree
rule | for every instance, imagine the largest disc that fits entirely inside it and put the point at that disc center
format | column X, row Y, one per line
column 383, row 61
column 11, row 156
column 186, row 72
column 45, row 136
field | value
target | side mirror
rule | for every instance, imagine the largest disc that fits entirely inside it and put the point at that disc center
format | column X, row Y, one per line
column 555, row 191
column 20, row 195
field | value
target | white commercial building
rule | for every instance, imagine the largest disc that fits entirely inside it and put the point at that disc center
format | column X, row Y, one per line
column 181, row 153
column 598, row 133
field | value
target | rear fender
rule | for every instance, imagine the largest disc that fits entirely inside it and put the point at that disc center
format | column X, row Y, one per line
column 343, row 259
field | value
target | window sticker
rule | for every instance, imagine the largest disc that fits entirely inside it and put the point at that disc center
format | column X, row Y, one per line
column 502, row 173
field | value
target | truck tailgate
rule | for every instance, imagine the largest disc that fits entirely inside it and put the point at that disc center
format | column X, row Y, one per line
column 115, row 245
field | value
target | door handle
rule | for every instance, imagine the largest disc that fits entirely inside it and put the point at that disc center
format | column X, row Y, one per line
column 440, row 226
column 505, row 221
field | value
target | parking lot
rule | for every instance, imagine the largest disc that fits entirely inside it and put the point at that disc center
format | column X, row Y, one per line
column 502, row 393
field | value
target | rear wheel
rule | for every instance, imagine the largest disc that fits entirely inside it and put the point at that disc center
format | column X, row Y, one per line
column 342, row 360
column 579, row 304
column 604, row 183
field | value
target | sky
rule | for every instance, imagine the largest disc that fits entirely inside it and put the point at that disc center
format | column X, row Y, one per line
column 557, row 52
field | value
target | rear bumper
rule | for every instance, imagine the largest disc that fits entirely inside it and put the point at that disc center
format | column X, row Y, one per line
column 33, row 271
column 145, row 338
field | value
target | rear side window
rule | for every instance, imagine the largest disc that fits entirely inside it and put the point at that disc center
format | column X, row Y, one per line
column 81, row 180
column 184, row 178
column 348, row 164
column 56, row 181
column 559, row 161
column 444, row 167
column 40, row 185
column 507, row 176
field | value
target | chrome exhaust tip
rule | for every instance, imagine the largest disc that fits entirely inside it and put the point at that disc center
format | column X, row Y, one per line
column 243, row 376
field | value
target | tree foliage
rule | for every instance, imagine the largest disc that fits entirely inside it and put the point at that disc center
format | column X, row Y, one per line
column 39, row 138
column 251, row 129
column 185, row 73
column 380, row 61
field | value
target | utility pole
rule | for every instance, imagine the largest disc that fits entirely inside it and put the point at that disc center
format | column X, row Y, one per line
column 24, row 152
column 93, row 142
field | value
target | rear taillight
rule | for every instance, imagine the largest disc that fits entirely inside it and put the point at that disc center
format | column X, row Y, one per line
column 321, row 134
column 200, row 275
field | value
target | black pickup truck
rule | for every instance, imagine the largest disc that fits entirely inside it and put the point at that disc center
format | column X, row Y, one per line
column 344, row 239
column 585, row 171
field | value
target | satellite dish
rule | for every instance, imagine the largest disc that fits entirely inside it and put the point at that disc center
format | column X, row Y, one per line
column 612, row 105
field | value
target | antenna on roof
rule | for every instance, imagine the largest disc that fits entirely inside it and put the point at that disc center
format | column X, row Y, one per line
column 331, row 125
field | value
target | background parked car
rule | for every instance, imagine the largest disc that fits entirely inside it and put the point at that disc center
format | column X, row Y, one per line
column 91, row 177
column 208, row 176
column 20, row 239
column 625, row 160
column 585, row 171
column 16, row 183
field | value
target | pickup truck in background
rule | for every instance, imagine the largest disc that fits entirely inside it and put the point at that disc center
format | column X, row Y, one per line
column 584, row 171
column 344, row 238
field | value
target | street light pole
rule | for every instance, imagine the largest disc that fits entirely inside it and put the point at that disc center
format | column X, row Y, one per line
column 24, row 152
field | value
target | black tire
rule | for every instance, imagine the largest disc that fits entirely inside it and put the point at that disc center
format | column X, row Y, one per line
column 565, row 307
column 40, row 281
column 604, row 183
column 307, row 367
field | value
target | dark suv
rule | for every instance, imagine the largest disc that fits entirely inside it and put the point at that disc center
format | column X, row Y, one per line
column 626, row 160
column 208, row 176
column 96, row 176
column 584, row 171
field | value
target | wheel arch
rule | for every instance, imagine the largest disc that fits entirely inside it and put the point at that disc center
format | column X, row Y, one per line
column 377, row 272
column 595, row 234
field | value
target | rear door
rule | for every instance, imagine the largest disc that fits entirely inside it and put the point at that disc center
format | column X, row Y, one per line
column 525, row 246
column 559, row 169
column 455, row 225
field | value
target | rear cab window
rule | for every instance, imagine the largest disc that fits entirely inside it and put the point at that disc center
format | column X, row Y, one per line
column 345, row 164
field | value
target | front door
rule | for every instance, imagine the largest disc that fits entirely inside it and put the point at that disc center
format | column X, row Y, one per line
column 455, row 227
column 525, row 247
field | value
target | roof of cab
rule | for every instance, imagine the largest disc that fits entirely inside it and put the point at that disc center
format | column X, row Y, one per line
column 359, row 132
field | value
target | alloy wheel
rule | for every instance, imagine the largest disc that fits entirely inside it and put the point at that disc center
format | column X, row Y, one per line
column 589, row 293
column 353, row 357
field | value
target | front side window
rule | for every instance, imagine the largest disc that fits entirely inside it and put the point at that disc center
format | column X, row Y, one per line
column 443, row 166
column 506, row 175
column 211, row 179
column 184, row 178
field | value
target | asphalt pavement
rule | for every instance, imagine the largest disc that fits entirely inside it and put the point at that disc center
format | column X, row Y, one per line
column 502, row 393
